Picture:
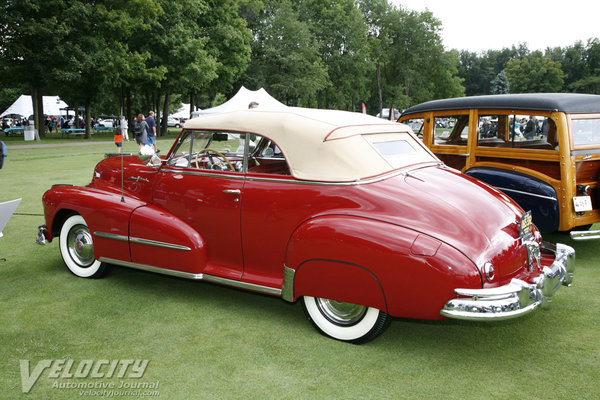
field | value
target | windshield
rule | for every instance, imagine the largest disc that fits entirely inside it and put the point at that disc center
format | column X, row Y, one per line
column 586, row 131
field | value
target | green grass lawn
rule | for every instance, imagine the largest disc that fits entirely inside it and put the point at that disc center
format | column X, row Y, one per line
column 209, row 342
column 58, row 138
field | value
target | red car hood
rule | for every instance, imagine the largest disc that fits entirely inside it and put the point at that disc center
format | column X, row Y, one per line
column 461, row 211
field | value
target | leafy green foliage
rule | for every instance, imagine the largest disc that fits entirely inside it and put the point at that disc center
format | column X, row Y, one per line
column 130, row 56
column 534, row 73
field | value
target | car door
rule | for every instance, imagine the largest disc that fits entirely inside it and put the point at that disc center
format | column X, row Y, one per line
column 202, row 201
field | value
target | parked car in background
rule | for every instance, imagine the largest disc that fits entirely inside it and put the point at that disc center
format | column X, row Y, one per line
column 543, row 150
column 174, row 122
column 350, row 214
column 385, row 114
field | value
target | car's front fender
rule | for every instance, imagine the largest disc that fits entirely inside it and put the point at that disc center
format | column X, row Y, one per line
column 103, row 211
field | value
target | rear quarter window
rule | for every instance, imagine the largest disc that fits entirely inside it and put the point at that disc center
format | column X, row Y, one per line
column 586, row 131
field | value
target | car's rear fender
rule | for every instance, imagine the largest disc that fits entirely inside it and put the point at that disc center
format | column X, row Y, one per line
column 529, row 192
column 376, row 264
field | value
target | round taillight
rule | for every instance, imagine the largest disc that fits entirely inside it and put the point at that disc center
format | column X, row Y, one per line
column 489, row 271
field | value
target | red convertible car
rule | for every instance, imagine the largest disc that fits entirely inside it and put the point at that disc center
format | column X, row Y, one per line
column 348, row 213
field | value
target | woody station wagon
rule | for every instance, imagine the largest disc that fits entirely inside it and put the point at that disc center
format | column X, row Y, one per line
column 349, row 214
column 543, row 150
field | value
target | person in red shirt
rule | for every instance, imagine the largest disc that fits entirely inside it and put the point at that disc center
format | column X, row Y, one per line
column 118, row 139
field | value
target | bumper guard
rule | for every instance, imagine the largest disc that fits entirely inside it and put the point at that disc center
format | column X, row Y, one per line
column 518, row 297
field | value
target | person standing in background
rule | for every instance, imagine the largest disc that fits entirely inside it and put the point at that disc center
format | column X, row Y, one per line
column 124, row 127
column 142, row 137
column 118, row 139
column 151, row 129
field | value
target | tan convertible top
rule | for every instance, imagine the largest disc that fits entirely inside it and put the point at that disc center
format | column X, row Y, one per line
column 322, row 145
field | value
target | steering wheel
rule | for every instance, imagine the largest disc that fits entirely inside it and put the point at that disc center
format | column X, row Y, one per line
column 218, row 154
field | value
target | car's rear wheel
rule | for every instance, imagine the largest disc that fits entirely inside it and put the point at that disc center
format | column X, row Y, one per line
column 345, row 321
column 77, row 249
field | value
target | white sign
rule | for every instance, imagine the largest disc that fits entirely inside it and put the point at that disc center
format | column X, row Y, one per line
column 582, row 203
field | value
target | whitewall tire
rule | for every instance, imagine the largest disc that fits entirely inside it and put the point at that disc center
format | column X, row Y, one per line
column 77, row 249
column 345, row 321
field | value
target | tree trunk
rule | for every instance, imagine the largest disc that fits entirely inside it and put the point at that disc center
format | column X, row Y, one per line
column 158, row 113
column 165, row 113
column 38, row 109
column 121, row 101
column 128, row 115
column 88, row 120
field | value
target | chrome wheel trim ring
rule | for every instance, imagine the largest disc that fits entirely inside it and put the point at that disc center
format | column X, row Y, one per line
column 340, row 313
column 80, row 245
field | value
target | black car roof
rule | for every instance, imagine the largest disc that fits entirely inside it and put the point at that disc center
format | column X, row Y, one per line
column 572, row 103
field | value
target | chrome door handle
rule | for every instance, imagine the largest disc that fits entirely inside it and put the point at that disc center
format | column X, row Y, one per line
column 138, row 178
column 232, row 191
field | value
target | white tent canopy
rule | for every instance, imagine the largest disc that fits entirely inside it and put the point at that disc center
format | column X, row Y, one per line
column 24, row 106
column 241, row 100
column 183, row 112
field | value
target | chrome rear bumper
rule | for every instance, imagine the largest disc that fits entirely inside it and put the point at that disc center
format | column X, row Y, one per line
column 518, row 297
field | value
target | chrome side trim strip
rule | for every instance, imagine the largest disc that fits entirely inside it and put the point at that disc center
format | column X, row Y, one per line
column 201, row 277
column 541, row 196
column 148, row 242
column 242, row 285
column 159, row 244
column 112, row 236
column 299, row 182
column 207, row 174
column 150, row 268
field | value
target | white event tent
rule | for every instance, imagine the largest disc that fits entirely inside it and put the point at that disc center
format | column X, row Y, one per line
column 183, row 112
column 24, row 106
column 241, row 100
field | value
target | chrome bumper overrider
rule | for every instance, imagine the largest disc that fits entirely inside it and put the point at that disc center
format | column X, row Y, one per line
column 518, row 297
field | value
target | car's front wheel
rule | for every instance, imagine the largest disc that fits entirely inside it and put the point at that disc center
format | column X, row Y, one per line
column 345, row 321
column 77, row 249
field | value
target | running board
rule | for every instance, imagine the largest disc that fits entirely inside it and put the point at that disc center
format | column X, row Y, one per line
column 585, row 235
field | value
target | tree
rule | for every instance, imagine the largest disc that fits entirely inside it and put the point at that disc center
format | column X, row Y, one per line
column 176, row 45
column 534, row 73
column 416, row 67
column 285, row 57
column 476, row 72
column 340, row 33
column 95, row 54
column 31, row 37
column 500, row 84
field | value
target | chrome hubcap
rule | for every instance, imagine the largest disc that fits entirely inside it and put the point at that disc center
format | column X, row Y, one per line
column 340, row 313
column 80, row 245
